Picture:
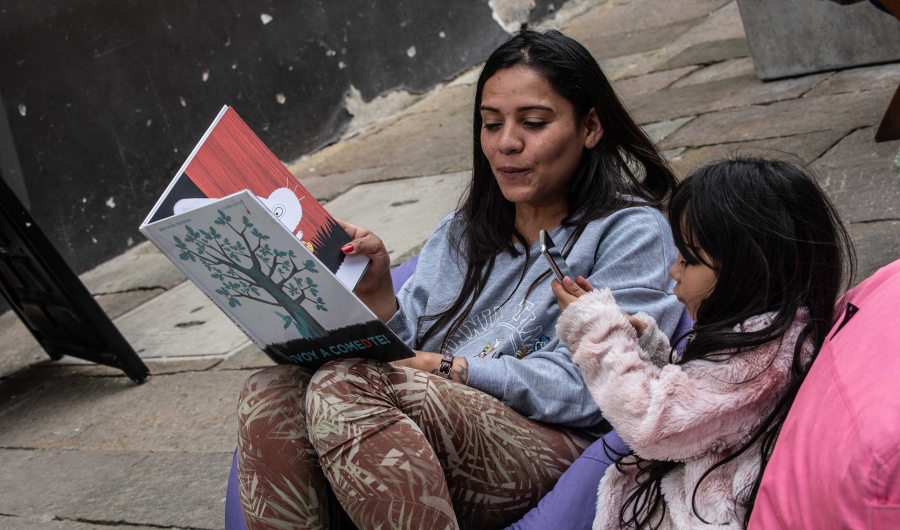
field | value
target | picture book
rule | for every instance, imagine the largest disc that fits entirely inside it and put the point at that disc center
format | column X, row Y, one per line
column 230, row 158
column 241, row 227
column 271, row 285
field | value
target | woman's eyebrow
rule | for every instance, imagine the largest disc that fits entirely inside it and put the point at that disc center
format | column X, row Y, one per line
column 535, row 107
column 519, row 109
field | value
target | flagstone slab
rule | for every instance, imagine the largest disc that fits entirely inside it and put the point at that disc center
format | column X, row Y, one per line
column 178, row 323
column 142, row 267
column 34, row 486
column 171, row 489
column 877, row 244
column 403, row 213
column 622, row 17
column 18, row 347
column 618, row 44
column 424, row 136
column 860, row 177
column 189, row 412
column 677, row 102
column 462, row 163
column 326, row 187
column 710, row 53
column 449, row 98
column 729, row 69
column 784, row 118
column 631, row 87
column 72, row 367
column 445, row 164
column 127, row 281
column 247, row 358
column 672, row 154
column 659, row 130
column 117, row 304
column 26, row 523
column 164, row 489
column 885, row 76
column 721, row 24
column 802, row 149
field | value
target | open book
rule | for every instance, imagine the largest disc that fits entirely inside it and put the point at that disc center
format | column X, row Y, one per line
column 239, row 225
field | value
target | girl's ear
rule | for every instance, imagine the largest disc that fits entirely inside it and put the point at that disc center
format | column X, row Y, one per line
column 593, row 129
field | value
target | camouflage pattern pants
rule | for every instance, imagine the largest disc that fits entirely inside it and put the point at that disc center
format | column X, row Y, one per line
column 399, row 448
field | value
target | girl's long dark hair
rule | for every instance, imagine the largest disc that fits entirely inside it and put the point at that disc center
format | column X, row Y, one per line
column 624, row 167
column 777, row 245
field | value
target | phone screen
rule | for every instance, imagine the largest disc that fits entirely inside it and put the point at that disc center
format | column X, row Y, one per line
column 557, row 264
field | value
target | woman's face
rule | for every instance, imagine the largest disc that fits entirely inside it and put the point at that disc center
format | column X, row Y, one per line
column 531, row 136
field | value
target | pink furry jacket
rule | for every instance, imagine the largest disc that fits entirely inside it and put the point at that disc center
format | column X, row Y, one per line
column 695, row 413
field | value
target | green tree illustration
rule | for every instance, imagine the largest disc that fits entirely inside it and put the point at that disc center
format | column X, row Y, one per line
column 250, row 269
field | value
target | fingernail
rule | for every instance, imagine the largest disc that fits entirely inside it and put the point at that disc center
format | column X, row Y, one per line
column 347, row 248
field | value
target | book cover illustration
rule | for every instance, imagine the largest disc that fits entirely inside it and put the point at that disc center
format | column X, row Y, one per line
column 230, row 158
column 271, row 285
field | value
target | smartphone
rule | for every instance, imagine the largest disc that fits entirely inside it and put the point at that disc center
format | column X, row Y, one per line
column 554, row 258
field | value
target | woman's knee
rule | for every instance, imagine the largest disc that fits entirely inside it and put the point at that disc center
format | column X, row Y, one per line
column 276, row 391
column 347, row 388
column 344, row 368
column 339, row 377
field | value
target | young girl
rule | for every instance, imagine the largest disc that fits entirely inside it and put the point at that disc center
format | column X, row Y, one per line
column 762, row 257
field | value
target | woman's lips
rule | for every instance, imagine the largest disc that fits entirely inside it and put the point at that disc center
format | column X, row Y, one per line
column 511, row 171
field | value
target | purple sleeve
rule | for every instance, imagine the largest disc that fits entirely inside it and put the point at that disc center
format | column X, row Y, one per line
column 572, row 503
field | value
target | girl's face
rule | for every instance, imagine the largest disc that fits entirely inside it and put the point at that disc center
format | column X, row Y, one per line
column 693, row 282
column 531, row 136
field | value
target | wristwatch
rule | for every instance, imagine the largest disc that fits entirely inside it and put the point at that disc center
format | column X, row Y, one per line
column 446, row 364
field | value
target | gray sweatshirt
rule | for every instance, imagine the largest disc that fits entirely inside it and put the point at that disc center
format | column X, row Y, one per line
column 512, row 348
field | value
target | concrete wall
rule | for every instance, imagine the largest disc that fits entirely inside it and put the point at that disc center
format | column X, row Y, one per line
column 106, row 98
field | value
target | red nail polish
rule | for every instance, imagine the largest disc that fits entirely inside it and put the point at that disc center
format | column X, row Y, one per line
column 347, row 248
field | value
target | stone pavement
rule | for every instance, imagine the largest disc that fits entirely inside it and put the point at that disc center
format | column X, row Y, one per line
column 82, row 447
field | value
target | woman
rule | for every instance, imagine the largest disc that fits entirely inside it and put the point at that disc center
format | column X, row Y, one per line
column 481, row 423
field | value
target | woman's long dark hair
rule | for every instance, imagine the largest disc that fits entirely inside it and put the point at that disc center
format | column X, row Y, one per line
column 624, row 167
column 777, row 245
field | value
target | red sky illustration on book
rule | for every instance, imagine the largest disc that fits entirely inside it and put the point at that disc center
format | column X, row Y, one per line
column 233, row 158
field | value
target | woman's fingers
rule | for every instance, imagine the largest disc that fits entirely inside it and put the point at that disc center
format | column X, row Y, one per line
column 370, row 245
column 364, row 242
column 375, row 287
column 352, row 230
column 359, row 236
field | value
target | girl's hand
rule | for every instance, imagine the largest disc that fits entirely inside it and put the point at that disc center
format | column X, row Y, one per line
column 375, row 288
column 638, row 326
column 570, row 290
column 431, row 362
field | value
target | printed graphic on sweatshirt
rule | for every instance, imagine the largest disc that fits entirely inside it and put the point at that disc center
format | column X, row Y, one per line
column 538, row 345
column 504, row 330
